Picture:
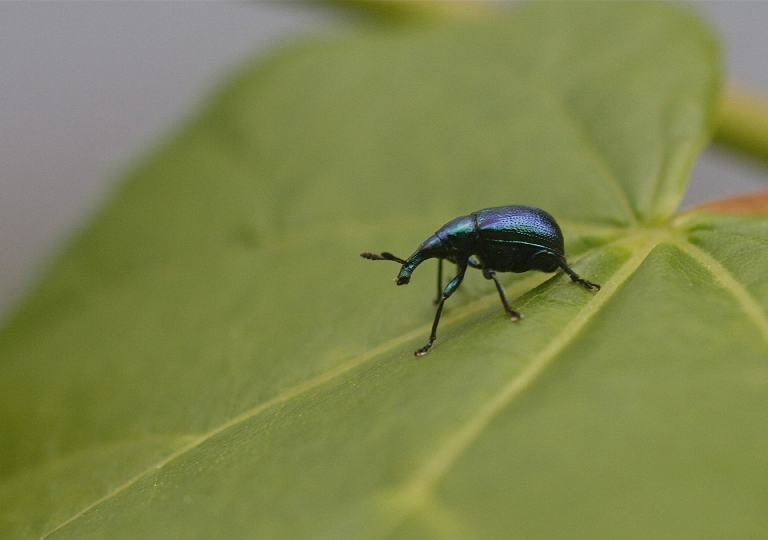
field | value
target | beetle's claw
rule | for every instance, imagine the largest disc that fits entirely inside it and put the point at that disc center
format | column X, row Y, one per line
column 515, row 316
column 403, row 280
column 588, row 284
column 424, row 350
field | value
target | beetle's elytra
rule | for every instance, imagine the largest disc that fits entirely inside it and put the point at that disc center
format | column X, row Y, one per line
column 501, row 239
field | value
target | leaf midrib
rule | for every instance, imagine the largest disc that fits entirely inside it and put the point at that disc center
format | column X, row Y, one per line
column 451, row 318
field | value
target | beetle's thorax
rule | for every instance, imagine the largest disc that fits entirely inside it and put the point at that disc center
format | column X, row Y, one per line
column 458, row 237
column 454, row 241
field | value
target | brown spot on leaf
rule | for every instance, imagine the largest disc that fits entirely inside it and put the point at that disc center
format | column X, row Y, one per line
column 754, row 204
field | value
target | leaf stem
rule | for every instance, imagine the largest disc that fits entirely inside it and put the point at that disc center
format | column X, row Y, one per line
column 742, row 121
column 406, row 11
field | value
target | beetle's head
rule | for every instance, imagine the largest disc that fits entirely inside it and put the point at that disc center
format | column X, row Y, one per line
column 429, row 249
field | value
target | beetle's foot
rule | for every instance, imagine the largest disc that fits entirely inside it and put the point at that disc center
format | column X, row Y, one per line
column 515, row 316
column 424, row 350
column 588, row 284
column 403, row 280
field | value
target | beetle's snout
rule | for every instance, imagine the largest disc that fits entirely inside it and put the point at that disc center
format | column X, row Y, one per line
column 404, row 277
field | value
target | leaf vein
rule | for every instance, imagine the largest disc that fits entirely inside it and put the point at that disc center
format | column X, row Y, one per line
column 600, row 162
column 746, row 301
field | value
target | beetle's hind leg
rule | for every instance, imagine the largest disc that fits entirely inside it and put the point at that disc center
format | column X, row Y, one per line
column 490, row 274
column 578, row 279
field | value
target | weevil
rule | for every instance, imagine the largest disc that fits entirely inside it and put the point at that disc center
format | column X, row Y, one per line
column 500, row 239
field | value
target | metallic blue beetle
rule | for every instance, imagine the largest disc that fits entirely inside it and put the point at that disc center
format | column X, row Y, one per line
column 503, row 239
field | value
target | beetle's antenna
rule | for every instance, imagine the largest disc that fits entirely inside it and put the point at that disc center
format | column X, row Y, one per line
column 385, row 256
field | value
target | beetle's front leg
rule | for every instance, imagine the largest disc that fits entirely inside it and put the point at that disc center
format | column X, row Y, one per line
column 449, row 290
column 488, row 273
column 471, row 262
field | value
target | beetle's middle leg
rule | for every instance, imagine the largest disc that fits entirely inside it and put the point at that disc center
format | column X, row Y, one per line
column 449, row 290
column 439, row 280
column 488, row 273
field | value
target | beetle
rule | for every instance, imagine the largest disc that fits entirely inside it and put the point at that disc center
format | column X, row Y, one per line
column 500, row 239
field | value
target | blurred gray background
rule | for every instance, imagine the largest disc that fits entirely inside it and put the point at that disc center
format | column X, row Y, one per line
column 86, row 88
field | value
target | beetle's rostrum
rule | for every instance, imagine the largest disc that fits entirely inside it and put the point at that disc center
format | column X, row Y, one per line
column 500, row 239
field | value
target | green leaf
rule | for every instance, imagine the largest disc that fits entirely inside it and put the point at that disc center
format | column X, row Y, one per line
column 212, row 359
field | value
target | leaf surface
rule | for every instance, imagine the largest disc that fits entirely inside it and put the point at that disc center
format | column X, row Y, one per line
column 212, row 359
